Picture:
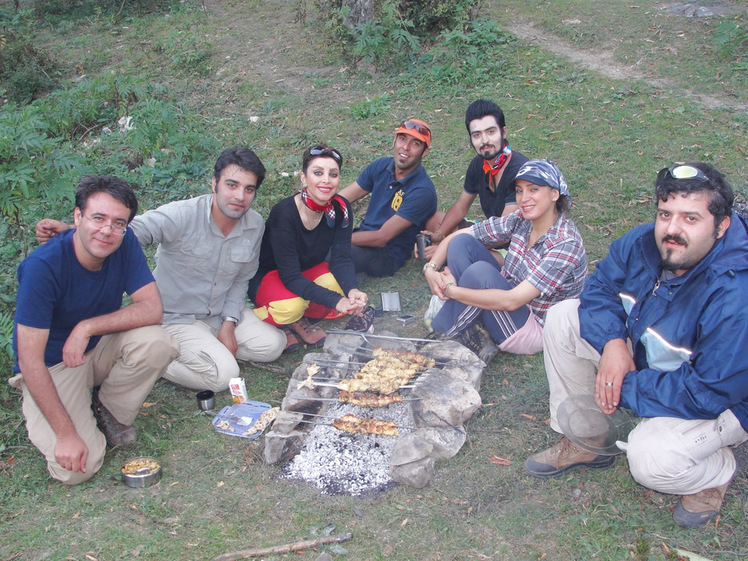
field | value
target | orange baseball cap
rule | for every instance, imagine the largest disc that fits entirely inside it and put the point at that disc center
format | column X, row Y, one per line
column 417, row 129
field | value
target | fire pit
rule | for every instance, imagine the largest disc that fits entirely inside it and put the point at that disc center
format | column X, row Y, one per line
column 423, row 424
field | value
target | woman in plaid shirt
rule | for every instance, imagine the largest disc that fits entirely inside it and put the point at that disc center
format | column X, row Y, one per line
column 489, row 303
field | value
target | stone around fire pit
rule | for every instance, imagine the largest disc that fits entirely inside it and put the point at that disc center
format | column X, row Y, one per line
column 431, row 419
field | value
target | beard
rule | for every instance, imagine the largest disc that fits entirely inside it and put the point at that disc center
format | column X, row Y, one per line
column 667, row 262
column 491, row 155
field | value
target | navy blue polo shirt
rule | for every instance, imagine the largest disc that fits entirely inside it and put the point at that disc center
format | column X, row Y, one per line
column 412, row 198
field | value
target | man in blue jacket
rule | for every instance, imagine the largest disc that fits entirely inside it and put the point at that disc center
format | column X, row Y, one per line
column 661, row 329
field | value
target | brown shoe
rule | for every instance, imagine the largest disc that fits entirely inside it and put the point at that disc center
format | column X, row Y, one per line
column 292, row 343
column 563, row 457
column 699, row 508
column 115, row 432
column 312, row 335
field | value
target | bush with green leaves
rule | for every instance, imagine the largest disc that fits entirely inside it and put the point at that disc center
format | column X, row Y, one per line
column 388, row 40
column 36, row 168
column 55, row 11
column 188, row 53
column 433, row 16
column 470, row 55
column 26, row 71
column 393, row 37
column 731, row 38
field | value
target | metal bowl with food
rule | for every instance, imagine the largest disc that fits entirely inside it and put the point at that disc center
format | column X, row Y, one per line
column 141, row 472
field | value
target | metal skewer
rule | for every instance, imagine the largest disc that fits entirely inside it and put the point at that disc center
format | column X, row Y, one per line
column 330, row 385
column 365, row 336
column 344, row 362
column 405, row 399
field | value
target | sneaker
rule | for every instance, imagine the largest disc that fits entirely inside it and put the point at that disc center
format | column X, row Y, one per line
column 363, row 323
column 699, row 508
column 292, row 343
column 563, row 457
column 312, row 335
column 478, row 340
column 115, row 432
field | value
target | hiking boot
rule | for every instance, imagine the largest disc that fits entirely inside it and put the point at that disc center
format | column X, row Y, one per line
column 436, row 336
column 363, row 323
column 488, row 349
column 478, row 340
column 699, row 508
column 311, row 335
column 292, row 343
column 563, row 457
column 115, row 432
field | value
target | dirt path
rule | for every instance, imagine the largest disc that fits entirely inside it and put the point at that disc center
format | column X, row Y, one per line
column 603, row 63
column 271, row 55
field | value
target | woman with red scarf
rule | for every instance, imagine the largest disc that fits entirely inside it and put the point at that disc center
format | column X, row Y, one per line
column 305, row 268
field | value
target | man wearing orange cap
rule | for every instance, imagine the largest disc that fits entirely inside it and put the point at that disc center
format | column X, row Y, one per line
column 403, row 198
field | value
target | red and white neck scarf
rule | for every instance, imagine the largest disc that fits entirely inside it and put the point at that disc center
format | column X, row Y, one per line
column 328, row 209
column 501, row 160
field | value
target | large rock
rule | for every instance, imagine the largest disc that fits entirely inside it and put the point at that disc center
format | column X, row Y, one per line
column 445, row 443
column 412, row 462
column 444, row 400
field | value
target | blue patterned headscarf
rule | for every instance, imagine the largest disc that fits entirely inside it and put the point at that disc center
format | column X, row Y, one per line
column 544, row 172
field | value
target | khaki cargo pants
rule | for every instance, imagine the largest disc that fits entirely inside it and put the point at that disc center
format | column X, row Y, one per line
column 125, row 365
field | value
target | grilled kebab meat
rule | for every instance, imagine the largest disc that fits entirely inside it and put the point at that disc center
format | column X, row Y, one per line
column 352, row 424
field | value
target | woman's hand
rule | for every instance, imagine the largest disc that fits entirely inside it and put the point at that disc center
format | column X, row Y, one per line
column 344, row 306
column 359, row 300
column 438, row 281
column 447, row 278
column 433, row 277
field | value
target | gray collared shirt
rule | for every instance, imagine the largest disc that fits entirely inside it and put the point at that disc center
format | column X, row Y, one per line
column 200, row 273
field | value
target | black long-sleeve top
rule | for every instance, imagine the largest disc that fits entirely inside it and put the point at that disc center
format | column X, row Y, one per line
column 290, row 248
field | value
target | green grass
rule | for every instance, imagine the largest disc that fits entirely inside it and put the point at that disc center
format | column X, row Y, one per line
column 608, row 136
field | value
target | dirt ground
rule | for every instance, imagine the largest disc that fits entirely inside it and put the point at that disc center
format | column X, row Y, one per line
column 272, row 56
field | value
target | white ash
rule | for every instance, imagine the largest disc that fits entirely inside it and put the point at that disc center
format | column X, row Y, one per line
column 337, row 462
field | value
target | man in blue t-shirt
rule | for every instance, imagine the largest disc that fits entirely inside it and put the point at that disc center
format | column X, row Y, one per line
column 490, row 175
column 403, row 198
column 72, row 337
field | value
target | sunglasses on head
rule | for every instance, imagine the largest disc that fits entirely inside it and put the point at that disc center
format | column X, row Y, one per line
column 420, row 128
column 682, row 172
column 327, row 153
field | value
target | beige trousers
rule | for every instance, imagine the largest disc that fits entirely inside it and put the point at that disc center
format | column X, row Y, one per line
column 669, row 455
column 125, row 365
column 204, row 363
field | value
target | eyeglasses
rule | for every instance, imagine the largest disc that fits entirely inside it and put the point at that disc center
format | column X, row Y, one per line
column 682, row 172
column 117, row 227
column 419, row 127
column 327, row 153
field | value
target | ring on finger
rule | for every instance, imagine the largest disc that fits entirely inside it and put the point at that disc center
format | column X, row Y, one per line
column 608, row 384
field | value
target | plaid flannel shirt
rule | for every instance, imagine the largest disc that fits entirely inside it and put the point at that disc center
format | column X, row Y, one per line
column 556, row 264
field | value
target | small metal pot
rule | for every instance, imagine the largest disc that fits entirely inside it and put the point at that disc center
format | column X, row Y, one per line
column 141, row 472
column 206, row 400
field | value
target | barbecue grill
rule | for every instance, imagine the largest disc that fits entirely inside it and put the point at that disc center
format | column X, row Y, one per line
column 429, row 418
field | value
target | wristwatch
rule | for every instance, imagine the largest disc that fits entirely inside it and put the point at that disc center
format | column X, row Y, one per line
column 430, row 265
column 233, row 320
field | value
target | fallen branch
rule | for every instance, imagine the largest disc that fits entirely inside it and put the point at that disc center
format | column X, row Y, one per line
column 298, row 546
column 269, row 367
